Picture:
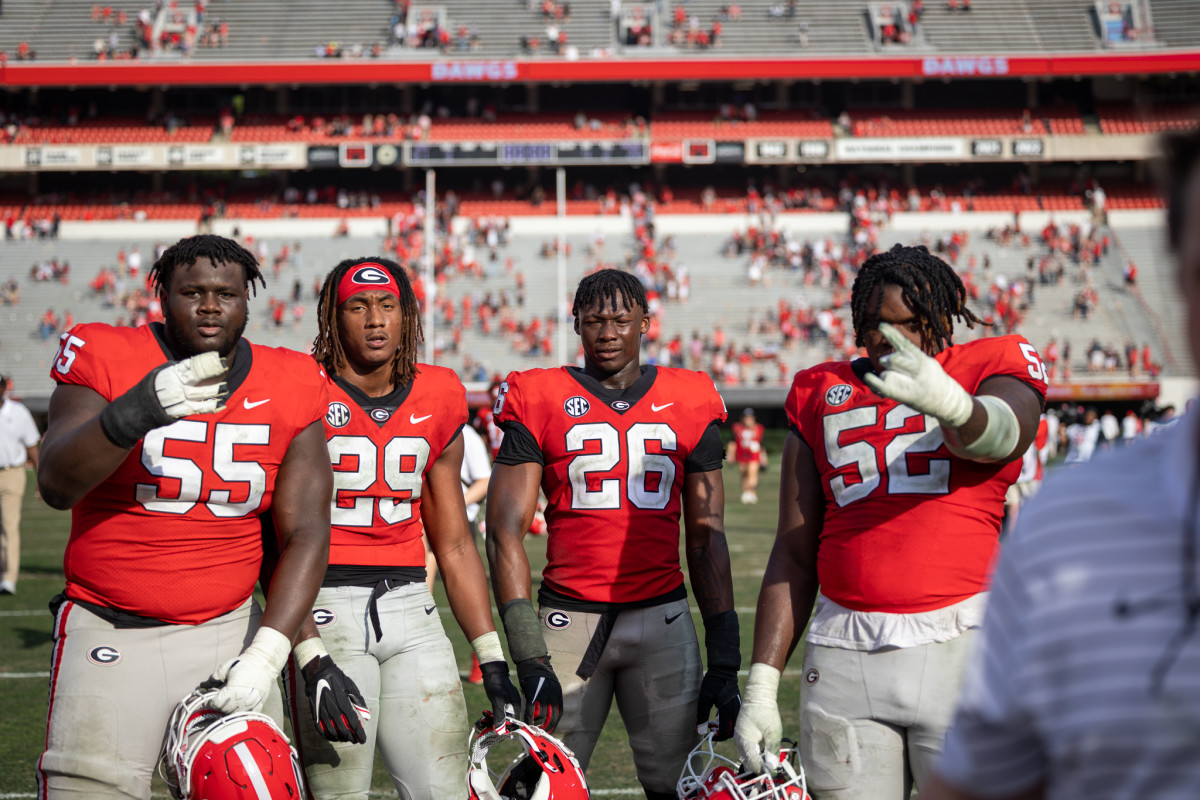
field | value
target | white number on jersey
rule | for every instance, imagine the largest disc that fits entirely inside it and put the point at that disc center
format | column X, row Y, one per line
column 226, row 437
column 356, row 466
column 865, row 458
column 66, row 352
column 650, row 476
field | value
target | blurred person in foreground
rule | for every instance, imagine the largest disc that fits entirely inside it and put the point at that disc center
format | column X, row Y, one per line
column 622, row 451
column 891, row 500
column 1086, row 681
column 375, row 640
column 168, row 442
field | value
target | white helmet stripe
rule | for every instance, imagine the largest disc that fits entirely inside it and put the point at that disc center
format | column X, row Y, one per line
column 256, row 779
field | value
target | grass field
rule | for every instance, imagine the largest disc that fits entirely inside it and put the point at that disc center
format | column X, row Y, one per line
column 25, row 638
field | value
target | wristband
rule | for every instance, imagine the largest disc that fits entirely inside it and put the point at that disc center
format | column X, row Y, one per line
column 762, row 685
column 487, row 648
column 723, row 641
column 998, row 439
column 523, row 630
column 308, row 649
column 273, row 646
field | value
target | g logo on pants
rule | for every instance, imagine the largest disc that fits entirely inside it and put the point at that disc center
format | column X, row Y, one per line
column 558, row 620
column 104, row 655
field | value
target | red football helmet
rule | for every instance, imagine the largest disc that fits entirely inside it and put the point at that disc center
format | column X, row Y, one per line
column 708, row 775
column 546, row 771
column 214, row 756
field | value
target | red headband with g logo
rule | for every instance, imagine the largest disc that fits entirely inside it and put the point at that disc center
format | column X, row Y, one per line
column 366, row 277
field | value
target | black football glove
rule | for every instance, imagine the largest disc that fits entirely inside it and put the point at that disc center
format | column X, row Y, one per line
column 543, row 693
column 505, row 699
column 337, row 706
column 719, row 689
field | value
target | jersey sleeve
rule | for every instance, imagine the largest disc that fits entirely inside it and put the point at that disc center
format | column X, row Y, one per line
column 796, row 404
column 1011, row 355
column 509, row 405
column 709, row 452
column 86, row 355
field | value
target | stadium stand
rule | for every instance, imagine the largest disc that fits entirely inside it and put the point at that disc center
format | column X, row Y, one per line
column 1176, row 23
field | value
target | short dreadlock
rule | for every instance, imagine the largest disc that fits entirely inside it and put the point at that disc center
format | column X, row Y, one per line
column 931, row 288
column 607, row 288
column 217, row 249
column 327, row 347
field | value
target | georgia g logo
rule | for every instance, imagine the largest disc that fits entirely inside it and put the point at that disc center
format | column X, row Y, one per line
column 104, row 655
column 338, row 415
column 371, row 275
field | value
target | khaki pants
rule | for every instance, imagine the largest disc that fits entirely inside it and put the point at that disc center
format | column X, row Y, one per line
column 112, row 691
column 872, row 723
column 651, row 665
column 12, row 492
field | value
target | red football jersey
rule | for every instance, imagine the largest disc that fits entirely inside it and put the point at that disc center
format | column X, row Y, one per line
column 381, row 449
column 613, row 474
column 174, row 533
column 908, row 527
column 747, row 442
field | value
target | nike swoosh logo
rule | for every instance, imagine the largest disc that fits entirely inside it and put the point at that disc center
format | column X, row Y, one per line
column 414, row 419
column 430, row 610
column 248, row 405
column 537, row 690
column 322, row 687
column 654, row 407
column 672, row 619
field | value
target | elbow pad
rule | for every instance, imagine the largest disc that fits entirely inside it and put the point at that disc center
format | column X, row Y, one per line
column 998, row 439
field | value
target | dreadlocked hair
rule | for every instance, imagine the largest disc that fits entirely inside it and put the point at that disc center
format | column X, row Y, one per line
column 216, row 249
column 607, row 288
column 327, row 347
column 930, row 286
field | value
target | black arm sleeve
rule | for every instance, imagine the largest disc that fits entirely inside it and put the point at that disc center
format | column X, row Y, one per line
column 518, row 446
column 709, row 452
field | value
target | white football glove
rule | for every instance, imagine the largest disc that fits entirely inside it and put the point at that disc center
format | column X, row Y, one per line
column 187, row 387
column 248, row 678
column 759, row 730
column 168, row 392
column 919, row 382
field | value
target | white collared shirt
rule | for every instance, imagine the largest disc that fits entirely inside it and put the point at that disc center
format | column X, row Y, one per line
column 17, row 432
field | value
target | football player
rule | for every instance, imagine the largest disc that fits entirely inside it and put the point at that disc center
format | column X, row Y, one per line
column 892, row 494
column 393, row 430
column 621, row 450
column 746, row 450
column 167, row 442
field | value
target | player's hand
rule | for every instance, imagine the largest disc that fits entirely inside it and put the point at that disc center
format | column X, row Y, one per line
column 919, row 382
column 759, row 729
column 504, row 697
column 337, row 706
column 247, row 680
column 168, row 392
column 543, row 693
column 719, row 690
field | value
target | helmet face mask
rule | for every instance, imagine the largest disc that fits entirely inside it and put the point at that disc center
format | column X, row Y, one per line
column 214, row 756
column 708, row 775
column 546, row 770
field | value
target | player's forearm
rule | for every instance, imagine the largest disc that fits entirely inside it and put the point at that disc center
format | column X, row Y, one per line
column 467, row 590
column 710, row 574
column 296, row 579
column 509, row 565
column 785, row 603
